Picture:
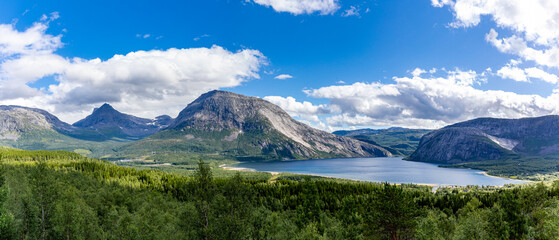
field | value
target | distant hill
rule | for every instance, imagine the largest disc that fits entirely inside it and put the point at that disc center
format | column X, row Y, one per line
column 399, row 141
column 110, row 123
column 248, row 128
column 489, row 139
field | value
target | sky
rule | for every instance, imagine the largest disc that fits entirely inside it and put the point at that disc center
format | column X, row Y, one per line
column 333, row 64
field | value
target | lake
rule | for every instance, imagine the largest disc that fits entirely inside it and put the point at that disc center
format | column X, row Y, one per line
column 389, row 169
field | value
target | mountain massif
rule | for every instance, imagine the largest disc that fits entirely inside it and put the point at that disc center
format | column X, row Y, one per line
column 217, row 122
column 489, row 139
column 249, row 128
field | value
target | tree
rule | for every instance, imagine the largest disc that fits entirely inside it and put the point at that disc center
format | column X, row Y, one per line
column 392, row 212
column 204, row 193
column 5, row 217
column 44, row 193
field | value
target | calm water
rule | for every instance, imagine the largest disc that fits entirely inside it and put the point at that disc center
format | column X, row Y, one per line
column 393, row 170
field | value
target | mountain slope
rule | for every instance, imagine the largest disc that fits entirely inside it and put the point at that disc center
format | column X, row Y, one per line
column 36, row 129
column 399, row 141
column 110, row 123
column 248, row 127
column 489, row 139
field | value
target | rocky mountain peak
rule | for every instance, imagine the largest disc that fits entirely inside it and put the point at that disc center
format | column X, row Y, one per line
column 218, row 110
column 113, row 123
column 105, row 108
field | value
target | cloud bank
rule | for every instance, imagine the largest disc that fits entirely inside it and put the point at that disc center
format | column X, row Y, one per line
column 417, row 102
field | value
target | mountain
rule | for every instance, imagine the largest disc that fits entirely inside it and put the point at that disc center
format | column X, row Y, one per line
column 15, row 121
column 36, row 129
column 110, row 123
column 399, row 141
column 248, row 128
column 489, row 139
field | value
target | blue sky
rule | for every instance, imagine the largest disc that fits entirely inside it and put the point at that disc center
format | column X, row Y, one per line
column 335, row 60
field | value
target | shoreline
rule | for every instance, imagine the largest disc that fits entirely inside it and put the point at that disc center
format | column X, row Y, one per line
column 225, row 167
column 504, row 178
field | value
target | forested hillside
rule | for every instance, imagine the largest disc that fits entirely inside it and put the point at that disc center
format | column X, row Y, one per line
column 62, row 195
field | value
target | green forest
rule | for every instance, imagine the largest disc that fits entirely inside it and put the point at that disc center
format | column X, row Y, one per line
column 63, row 195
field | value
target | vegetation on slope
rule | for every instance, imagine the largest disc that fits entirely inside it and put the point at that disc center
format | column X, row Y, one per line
column 536, row 168
column 399, row 141
column 56, row 195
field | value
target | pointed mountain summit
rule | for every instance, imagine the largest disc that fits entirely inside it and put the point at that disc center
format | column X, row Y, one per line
column 113, row 124
column 249, row 128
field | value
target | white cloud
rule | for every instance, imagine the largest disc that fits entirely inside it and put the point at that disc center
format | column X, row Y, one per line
column 143, row 35
column 537, row 20
column 535, row 25
column 144, row 83
column 283, row 76
column 32, row 40
column 297, row 7
column 511, row 71
column 427, row 102
column 514, row 73
column 441, row 3
column 547, row 56
column 200, row 37
column 351, row 11
column 417, row 72
column 304, row 110
column 541, row 74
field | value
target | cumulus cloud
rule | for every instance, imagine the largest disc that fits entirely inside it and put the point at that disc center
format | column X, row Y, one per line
column 304, row 110
column 535, row 25
column 514, row 73
column 417, row 72
column 511, row 71
column 283, row 76
column 546, row 56
column 427, row 102
column 537, row 20
column 144, row 83
column 297, row 7
column 541, row 74
column 33, row 40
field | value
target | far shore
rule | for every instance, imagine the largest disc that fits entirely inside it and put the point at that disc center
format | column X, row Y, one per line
column 225, row 167
column 487, row 175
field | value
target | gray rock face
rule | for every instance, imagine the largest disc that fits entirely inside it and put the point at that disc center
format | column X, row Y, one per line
column 16, row 120
column 111, row 123
column 489, row 138
column 220, row 110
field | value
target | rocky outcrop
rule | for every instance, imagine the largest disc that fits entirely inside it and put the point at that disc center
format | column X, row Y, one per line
column 488, row 139
column 15, row 121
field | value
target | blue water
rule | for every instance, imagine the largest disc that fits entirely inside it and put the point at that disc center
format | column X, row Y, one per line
column 392, row 170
